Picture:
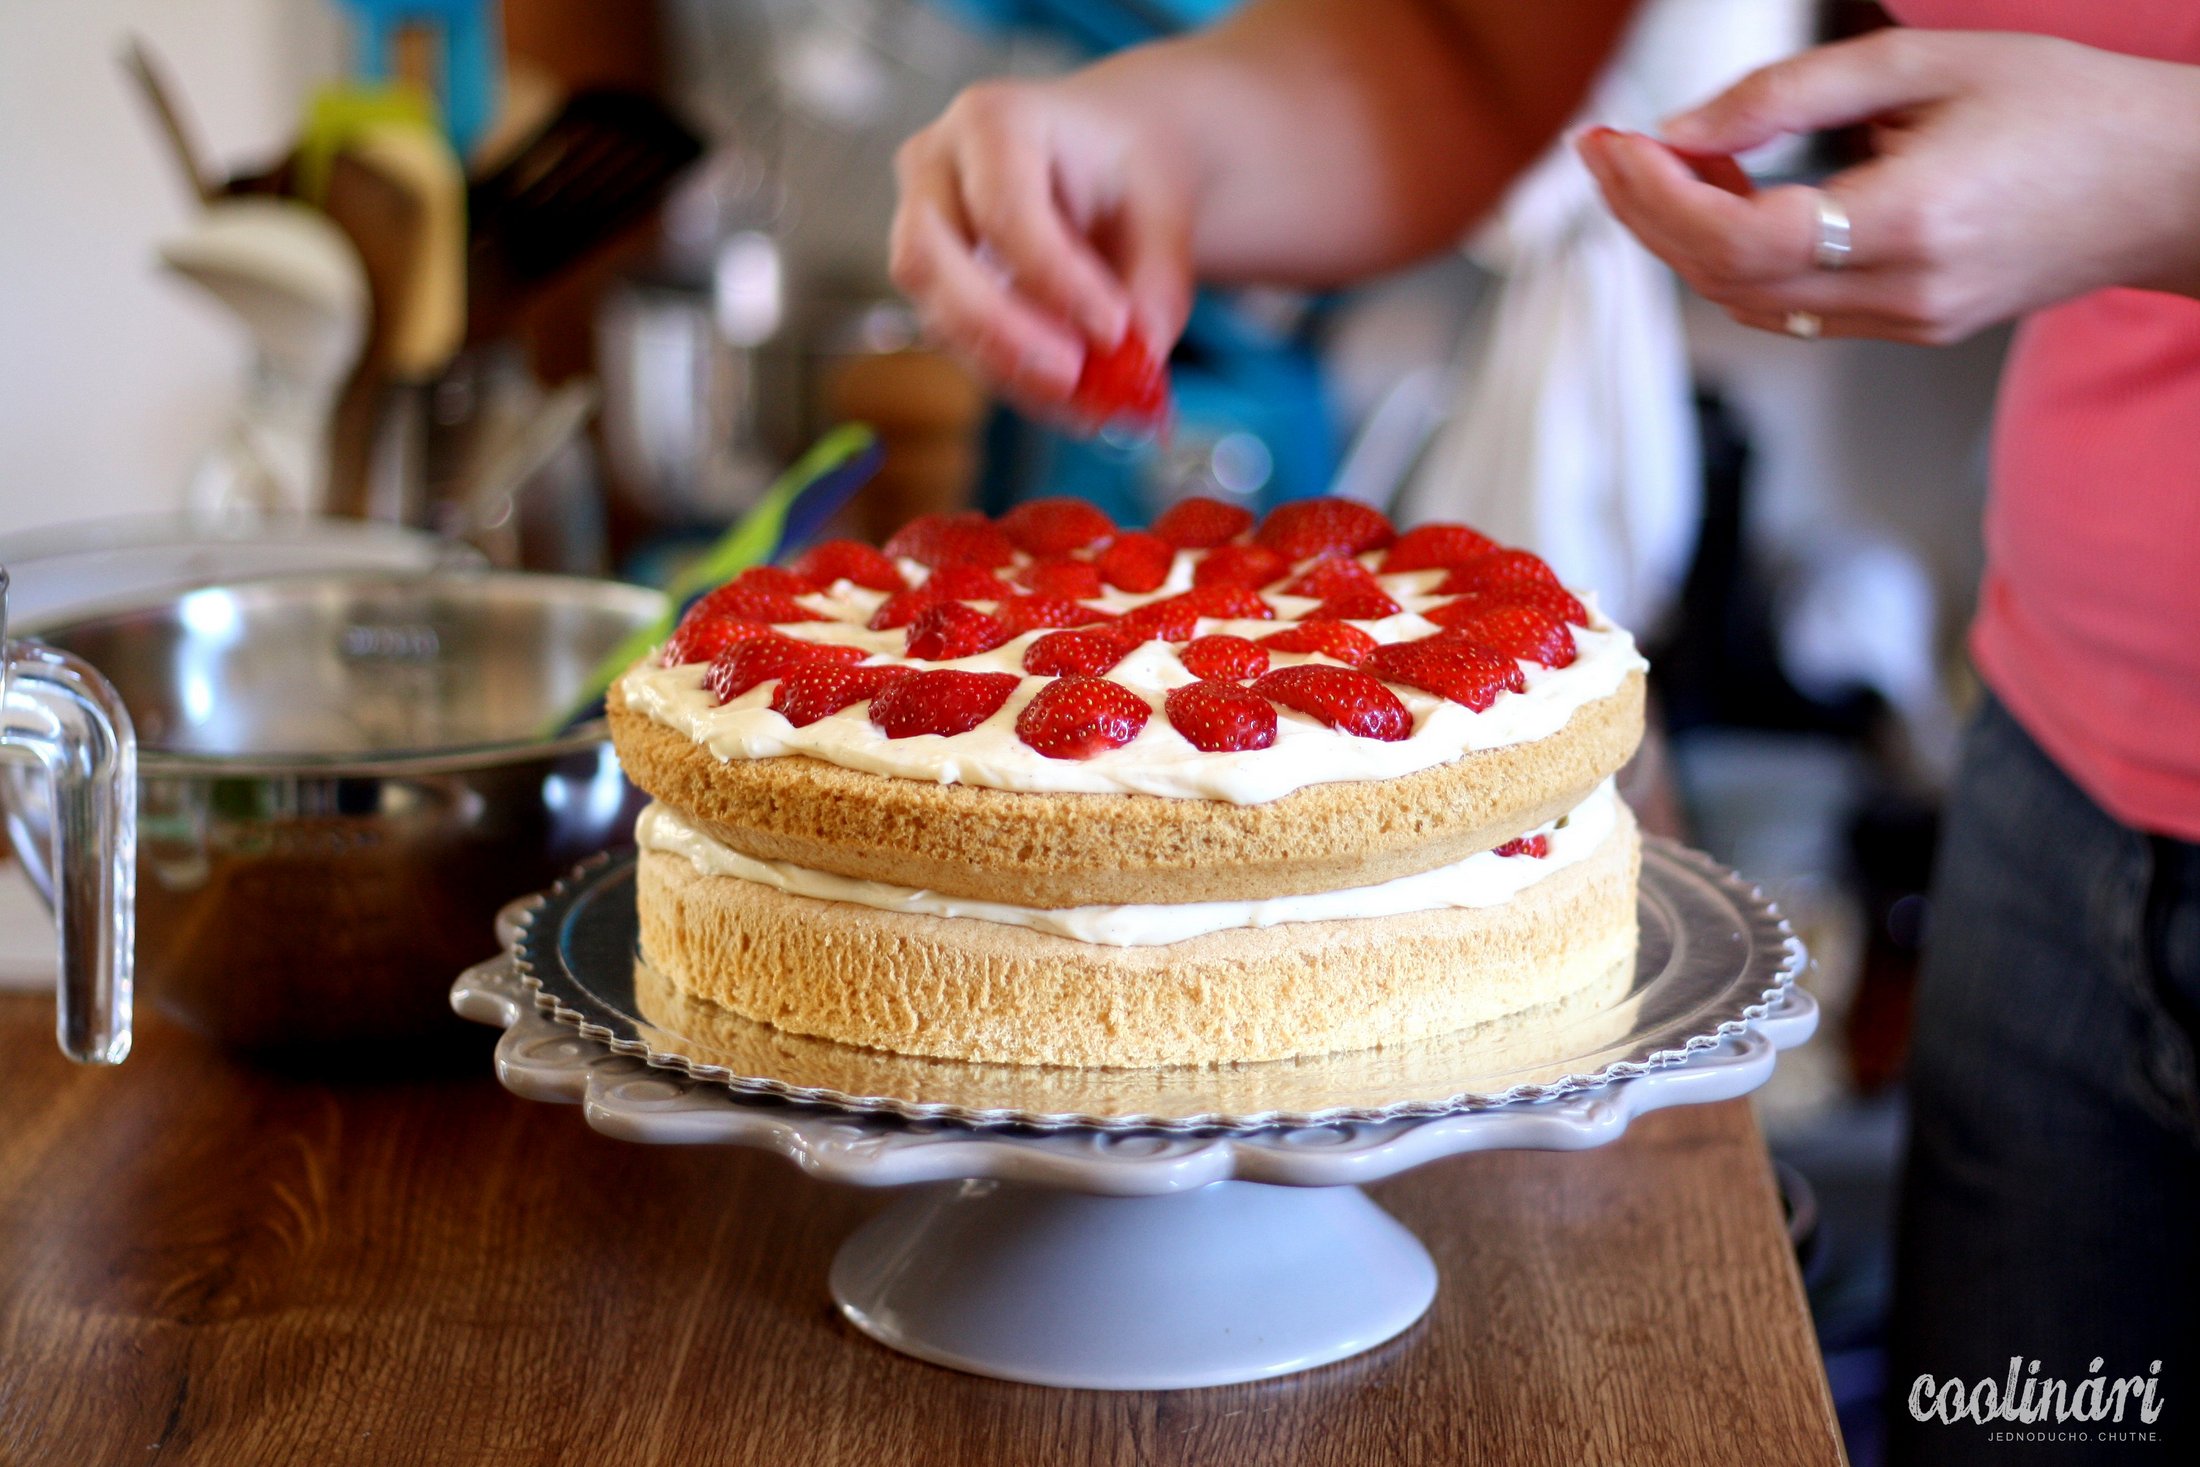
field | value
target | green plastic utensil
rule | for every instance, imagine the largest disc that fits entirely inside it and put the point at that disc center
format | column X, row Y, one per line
column 818, row 482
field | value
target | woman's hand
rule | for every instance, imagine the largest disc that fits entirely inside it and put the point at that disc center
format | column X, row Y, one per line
column 2012, row 172
column 1036, row 217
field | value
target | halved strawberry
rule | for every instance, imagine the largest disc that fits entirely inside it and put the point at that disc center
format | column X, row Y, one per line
column 1251, row 566
column 1348, row 644
column 848, row 560
column 1022, row 614
column 1330, row 577
column 1555, row 602
column 902, row 608
column 819, row 687
column 1175, row 618
column 1224, row 658
column 1526, row 845
column 1060, row 654
column 1055, row 526
column 1078, row 717
column 1221, row 718
column 1136, row 562
column 751, row 602
column 1073, row 580
column 1436, row 547
column 1305, row 528
column 1517, row 577
column 1515, row 630
column 1342, row 697
column 940, row 700
column 1199, row 522
column 701, row 638
column 967, row 538
column 965, row 583
column 760, row 659
column 776, row 578
column 1125, row 382
column 946, row 630
column 1370, row 603
column 1461, row 671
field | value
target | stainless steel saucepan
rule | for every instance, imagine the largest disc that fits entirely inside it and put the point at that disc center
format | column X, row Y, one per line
column 339, row 783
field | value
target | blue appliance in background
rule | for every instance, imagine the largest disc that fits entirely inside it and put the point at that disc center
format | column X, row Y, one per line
column 1253, row 418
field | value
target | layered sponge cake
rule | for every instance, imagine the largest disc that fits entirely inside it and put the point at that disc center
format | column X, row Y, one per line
column 1043, row 791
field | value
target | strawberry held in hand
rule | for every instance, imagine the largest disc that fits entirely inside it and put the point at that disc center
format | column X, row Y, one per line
column 1122, row 384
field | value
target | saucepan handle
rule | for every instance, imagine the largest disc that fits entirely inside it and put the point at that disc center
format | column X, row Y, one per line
column 75, row 831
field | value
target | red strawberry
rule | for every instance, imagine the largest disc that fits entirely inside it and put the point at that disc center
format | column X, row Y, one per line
column 1122, row 382
column 1526, row 845
column 760, row 659
column 1055, row 526
column 1331, row 577
column 965, row 583
column 1515, row 630
column 1370, row 604
column 751, row 602
column 1175, row 618
column 1221, row 718
column 775, row 578
column 902, row 608
column 1073, row 580
column 1436, row 547
column 701, row 638
column 1306, row 528
column 1251, row 566
column 1198, row 522
column 1348, row 644
column 848, row 560
column 1061, row 654
column 1460, row 671
column 946, row 630
column 968, row 538
column 1341, row 697
column 1517, row 578
column 1078, row 717
column 811, row 690
column 1022, row 614
column 1555, row 602
column 1136, row 562
column 940, row 700
column 1224, row 658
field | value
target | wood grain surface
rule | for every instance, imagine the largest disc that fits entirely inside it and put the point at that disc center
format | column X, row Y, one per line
column 205, row 1263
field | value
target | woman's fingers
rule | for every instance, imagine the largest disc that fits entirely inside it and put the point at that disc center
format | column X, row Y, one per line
column 1154, row 252
column 970, row 307
column 1828, row 86
column 1009, row 194
column 1706, row 233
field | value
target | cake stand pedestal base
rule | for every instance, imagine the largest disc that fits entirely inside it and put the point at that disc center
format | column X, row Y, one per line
column 1229, row 1282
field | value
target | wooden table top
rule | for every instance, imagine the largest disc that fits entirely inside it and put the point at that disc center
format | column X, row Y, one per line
column 200, row 1262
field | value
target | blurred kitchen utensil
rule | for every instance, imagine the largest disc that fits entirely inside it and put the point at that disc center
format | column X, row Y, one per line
column 297, row 284
column 183, row 148
column 397, row 191
column 340, row 784
column 489, row 497
column 793, row 509
column 598, row 167
column 66, row 748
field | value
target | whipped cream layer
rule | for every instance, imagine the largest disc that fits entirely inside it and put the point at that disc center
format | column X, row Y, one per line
column 1160, row 761
column 1485, row 879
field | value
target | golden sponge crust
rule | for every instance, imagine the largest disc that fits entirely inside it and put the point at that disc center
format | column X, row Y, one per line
column 958, row 988
column 1068, row 850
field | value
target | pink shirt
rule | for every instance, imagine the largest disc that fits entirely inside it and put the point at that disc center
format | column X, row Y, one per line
column 2088, row 623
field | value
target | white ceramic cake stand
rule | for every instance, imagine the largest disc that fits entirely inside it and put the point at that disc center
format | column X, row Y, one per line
column 1133, row 1251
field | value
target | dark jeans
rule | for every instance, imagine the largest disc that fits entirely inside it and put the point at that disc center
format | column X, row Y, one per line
column 2051, row 1200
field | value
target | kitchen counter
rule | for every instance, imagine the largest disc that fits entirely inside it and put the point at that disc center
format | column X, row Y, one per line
column 202, row 1262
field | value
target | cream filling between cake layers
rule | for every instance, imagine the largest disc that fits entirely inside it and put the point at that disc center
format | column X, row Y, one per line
column 1159, row 761
column 1484, row 879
